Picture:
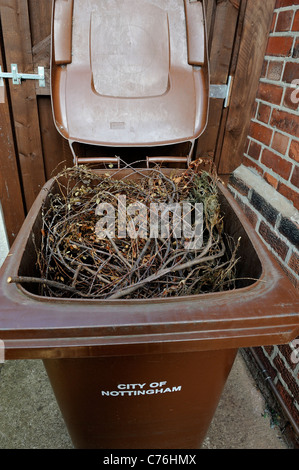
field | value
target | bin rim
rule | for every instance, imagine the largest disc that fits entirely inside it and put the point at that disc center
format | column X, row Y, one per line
column 266, row 312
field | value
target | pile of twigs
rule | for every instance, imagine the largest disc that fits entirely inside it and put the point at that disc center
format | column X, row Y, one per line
column 74, row 262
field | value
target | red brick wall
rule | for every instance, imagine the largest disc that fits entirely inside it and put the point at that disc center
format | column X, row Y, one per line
column 273, row 145
column 272, row 153
column 273, row 142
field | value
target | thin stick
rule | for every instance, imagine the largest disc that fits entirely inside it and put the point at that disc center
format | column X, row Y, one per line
column 37, row 280
column 162, row 272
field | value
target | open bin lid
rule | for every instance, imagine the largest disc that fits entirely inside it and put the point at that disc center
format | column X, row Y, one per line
column 129, row 72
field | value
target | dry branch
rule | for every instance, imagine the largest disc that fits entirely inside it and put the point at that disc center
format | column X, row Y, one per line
column 74, row 262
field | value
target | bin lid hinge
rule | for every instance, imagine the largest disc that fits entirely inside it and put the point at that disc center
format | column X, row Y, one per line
column 18, row 77
column 222, row 91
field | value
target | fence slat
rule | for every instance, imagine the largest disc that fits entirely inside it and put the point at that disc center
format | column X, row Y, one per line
column 18, row 49
column 256, row 27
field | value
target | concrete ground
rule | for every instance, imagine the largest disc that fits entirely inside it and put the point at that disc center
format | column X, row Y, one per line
column 30, row 417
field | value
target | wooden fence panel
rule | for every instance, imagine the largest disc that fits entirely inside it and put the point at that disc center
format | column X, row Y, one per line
column 18, row 50
column 222, row 23
column 56, row 152
column 255, row 32
column 10, row 187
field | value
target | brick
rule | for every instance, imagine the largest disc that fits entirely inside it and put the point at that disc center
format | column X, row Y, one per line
column 285, row 3
column 291, row 72
column 295, row 177
column 250, row 164
column 290, row 99
column 285, row 121
column 284, row 21
column 279, row 363
column 264, row 69
column 290, row 230
column 294, row 150
column 287, row 376
column 286, row 351
column 295, row 54
column 249, row 213
column 291, row 276
column 265, row 360
column 269, row 349
column 294, row 263
column 239, row 185
column 296, row 22
column 288, row 193
column 273, row 22
column 279, row 46
column 288, row 400
column 274, row 70
column 280, row 143
column 261, row 133
column 247, row 144
column 264, row 113
column 254, row 150
column 273, row 240
column 269, row 92
column 263, row 207
column 276, row 163
column 271, row 180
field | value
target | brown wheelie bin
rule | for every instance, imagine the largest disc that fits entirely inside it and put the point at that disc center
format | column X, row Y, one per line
column 131, row 78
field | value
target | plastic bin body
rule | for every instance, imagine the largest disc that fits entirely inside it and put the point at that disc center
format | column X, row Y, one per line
column 148, row 401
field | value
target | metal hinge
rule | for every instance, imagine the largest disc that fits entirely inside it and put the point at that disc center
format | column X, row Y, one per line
column 18, row 77
column 222, row 91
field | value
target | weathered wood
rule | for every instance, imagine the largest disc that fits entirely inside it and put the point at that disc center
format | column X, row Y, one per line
column 210, row 12
column 40, row 19
column 53, row 144
column 56, row 155
column 232, row 70
column 207, row 142
column 41, row 57
column 40, row 12
column 18, row 49
column 222, row 24
column 226, row 23
column 257, row 23
column 10, row 188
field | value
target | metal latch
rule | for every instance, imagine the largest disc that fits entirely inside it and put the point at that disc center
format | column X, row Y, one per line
column 18, row 77
column 222, row 91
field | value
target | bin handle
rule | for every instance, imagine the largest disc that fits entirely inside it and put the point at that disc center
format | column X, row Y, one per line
column 84, row 160
column 62, row 31
column 167, row 160
column 196, row 37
